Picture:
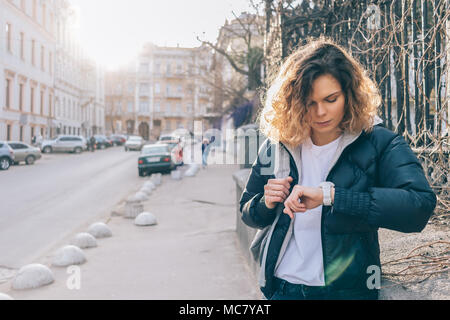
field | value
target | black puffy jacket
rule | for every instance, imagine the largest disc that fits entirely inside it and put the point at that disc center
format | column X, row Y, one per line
column 379, row 183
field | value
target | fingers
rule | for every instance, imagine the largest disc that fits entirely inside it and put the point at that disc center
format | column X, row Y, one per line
column 285, row 182
column 277, row 188
column 288, row 212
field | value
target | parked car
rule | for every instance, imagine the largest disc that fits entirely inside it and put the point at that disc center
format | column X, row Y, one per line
column 64, row 143
column 155, row 158
column 118, row 139
column 24, row 152
column 168, row 137
column 6, row 156
column 176, row 150
column 101, row 142
column 134, row 143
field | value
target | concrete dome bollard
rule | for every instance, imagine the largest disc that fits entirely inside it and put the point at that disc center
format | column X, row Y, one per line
column 176, row 175
column 156, row 178
column 67, row 256
column 84, row 240
column 145, row 219
column 4, row 296
column 150, row 185
column 192, row 170
column 99, row 230
column 146, row 190
column 141, row 196
column 32, row 276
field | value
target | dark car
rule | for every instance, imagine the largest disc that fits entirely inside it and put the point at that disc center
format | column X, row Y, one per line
column 101, row 142
column 6, row 156
column 117, row 139
column 155, row 158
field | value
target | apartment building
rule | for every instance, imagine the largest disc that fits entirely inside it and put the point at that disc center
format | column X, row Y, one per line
column 161, row 91
column 79, row 81
column 27, row 53
column 49, row 86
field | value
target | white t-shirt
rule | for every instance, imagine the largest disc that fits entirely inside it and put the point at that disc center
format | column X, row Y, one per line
column 302, row 262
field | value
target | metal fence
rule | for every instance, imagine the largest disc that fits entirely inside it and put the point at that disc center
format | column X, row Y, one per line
column 404, row 46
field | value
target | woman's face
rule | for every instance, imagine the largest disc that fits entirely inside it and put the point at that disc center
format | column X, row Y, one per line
column 326, row 108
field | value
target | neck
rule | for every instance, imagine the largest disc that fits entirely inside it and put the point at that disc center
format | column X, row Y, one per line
column 323, row 139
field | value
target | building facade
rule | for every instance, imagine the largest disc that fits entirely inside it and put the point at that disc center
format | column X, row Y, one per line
column 79, row 81
column 49, row 87
column 162, row 90
column 27, row 53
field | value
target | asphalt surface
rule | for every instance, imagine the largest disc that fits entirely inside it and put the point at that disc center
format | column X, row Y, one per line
column 43, row 203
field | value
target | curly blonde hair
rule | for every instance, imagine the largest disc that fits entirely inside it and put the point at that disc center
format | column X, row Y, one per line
column 284, row 116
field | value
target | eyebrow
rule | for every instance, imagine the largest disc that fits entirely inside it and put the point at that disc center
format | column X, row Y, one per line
column 310, row 100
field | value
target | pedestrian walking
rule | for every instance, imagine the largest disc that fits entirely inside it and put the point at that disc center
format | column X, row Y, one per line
column 205, row 151
column 92, row 142
column 328, row 176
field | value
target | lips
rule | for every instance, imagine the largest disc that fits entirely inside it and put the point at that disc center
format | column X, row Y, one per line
column 324, row 123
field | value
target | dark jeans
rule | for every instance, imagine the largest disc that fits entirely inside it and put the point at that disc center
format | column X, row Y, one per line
column 289, row 291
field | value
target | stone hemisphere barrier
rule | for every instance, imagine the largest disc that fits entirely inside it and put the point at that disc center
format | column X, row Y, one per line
column 32, row 276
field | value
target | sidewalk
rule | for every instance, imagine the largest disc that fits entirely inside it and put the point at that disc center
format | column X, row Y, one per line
column 192, row 253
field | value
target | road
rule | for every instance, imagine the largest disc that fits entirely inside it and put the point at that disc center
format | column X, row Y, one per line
column 42, row 204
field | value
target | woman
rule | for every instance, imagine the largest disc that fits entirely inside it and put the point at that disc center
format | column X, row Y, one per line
column 328, row 176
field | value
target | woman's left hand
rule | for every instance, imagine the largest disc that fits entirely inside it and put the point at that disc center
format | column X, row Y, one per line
column 310, row 198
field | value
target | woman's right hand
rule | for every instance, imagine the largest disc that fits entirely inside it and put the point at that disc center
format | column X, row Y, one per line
column 276, row 190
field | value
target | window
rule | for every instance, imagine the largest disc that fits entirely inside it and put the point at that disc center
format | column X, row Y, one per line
column 50, row 62
column 157, row 88
column 179, row 68
column 32, row 99
column 157, row 106
column 143, row 107
column 42, row 102
column 180, row 89
column 8, row 132
column 22, row 46
column 34, row 9
column 21, row 96
column 33, row 52
column 50, row 105
column 168, row 69
column 168, row 89
column 23, row 5
column 8, row 37
column 21, row 133
column 168, row 108
column 143, row 88
column 44, row 16
column 130, row 88
column 143, row 67
column 42, row 57
column 178, row 107
column 8, row 93
column 130, row 107
column 189, row 107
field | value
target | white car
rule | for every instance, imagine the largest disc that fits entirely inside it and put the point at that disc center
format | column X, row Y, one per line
column 64, row 143
column 134, row 143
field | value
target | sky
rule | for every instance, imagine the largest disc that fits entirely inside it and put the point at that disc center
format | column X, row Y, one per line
column 112, row 31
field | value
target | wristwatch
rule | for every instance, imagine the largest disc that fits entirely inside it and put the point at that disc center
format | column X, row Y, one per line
column 326, row 189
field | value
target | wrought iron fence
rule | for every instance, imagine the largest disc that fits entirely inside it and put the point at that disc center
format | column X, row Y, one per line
column 404, row 45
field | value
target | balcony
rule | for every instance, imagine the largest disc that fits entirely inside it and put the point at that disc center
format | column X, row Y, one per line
column 174, row 95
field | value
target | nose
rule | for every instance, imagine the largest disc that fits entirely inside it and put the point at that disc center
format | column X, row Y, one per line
column 320, row 110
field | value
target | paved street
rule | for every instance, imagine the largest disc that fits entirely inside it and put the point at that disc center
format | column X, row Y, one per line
column 192, row 253
column 43, row 203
